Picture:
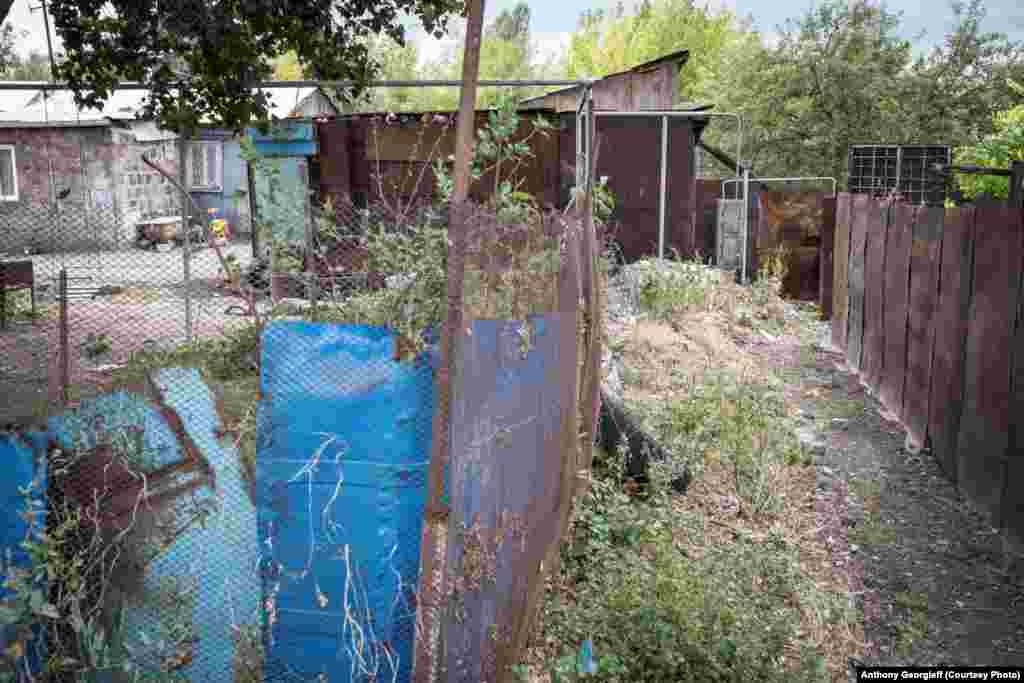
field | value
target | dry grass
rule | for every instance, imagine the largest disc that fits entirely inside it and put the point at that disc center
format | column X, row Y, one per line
column 692, row 344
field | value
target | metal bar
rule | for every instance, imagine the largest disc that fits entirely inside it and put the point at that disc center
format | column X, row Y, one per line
column 672, row 113
column 768, row 180
column 969, row 168
column 1017, row 184
column 664, row 190
column 746, row 223
column 65, row 356
column 268, row 85
column 186, row 254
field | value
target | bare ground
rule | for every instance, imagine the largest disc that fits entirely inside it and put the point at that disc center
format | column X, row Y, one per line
column 935, row 582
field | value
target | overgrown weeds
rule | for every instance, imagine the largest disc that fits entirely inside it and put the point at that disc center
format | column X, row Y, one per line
column 730, row 582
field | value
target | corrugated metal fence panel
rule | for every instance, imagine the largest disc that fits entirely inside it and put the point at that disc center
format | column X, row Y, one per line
column 922, row 304
column 897, row 267
column 1013, row 504
column 874, row 294
column 858, row 240
column 505, row 483
column 984, row 429
column 841, row 271
column 946, row 401
column 342, row 454
column 827, row 252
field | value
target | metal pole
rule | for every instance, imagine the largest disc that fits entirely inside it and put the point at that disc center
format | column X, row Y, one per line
column 270, row 85
column 746, row 223
column 49, row 41
column 186, row 255
column 1017, row 184
column 65, row 356
column 664, row 183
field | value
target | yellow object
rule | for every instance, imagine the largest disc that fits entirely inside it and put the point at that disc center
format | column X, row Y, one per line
column 218, row 227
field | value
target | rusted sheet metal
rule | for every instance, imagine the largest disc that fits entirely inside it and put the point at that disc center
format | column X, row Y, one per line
column 897, row 267
column 708, row 193
column 983, row 438
column 506, row 472
column 792, row 221
column 826, row 256
column 841, row 270
column 874, row 293
column 681, row 202
column 922, row 307
column 946, row 403
column 334, row 144
column 858, row 239
column 1013, row 504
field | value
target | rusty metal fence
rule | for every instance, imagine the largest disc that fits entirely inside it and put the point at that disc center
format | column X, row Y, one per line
column 927, row 306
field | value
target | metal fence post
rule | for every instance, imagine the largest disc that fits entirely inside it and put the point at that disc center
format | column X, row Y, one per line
column 65, row 370
column 186, row 255
column 664, row 187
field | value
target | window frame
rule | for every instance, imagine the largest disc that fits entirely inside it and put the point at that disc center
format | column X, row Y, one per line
column 215, row 184
column 14, row 174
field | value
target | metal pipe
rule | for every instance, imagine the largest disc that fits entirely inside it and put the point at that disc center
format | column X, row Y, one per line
column 662, row 194
column 672, row 113
column 65, row 351
column 269, row 85
column 186, row 254
column 766, row 180
column 746, row 223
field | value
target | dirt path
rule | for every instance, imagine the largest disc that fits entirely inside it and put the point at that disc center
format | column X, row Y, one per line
column 933, row 579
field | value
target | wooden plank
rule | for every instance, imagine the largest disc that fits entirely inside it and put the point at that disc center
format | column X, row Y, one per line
column 841, row 271
column 922, row 305
column 826, row 261
column 1013, row 505
column 946, row 400
column 873, row 354
column 983, row 438
column 896, row 276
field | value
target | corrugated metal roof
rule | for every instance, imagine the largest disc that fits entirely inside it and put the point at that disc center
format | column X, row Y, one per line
column 681, row 56
column 28, row 108
column 32, row 109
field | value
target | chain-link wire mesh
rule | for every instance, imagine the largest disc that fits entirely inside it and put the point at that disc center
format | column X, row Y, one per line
column 239, row 435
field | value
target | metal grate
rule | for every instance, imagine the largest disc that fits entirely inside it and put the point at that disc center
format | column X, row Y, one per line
column 879, row 170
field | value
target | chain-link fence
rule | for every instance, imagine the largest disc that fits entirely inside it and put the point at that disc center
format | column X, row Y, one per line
column 259, row 468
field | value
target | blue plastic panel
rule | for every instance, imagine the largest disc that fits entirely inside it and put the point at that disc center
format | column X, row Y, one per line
column 342, row 450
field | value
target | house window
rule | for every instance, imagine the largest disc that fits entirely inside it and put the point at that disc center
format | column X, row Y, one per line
column 205, row 166
column 8, row 174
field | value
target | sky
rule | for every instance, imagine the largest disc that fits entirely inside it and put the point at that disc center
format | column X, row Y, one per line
column 551, row 22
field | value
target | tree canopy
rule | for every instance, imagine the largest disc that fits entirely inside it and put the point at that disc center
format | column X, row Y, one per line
column 842, row 74
column 607, row 43
column 199, row 59
column 997, row 150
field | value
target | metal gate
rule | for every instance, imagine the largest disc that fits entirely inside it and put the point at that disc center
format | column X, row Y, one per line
column 729, row 237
